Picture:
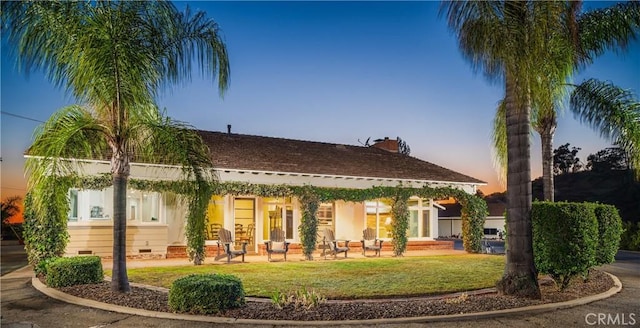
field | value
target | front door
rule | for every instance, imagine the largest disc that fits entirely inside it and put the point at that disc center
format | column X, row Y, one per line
column 245, row 222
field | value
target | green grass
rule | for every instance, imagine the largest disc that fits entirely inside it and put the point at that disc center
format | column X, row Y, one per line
column 348, row 279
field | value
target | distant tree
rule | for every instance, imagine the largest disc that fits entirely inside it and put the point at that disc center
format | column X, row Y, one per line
column 565, row 160
column 10, row 207
column 479, row 193
column 403, row 147
column 613, row 158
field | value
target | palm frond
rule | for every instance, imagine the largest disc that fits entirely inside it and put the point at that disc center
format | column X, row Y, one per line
column 607, row 29
column 71, row 133
column 157, row 138
column 611, row 110
column 499, row 142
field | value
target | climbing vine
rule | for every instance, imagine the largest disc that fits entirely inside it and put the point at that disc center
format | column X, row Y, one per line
column 198, row 194
column 309, row 203
column 400, row 222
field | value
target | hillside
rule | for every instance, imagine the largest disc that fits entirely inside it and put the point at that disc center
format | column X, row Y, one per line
column 613, row 187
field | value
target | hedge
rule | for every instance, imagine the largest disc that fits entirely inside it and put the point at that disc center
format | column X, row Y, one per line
column 609, row 233
column 206, row 293
column 70, row 271
column 565, row 238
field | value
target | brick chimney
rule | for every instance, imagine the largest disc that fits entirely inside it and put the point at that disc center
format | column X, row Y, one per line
column 386, row 144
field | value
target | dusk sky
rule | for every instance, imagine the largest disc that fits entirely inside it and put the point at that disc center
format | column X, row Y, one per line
column 334, row 72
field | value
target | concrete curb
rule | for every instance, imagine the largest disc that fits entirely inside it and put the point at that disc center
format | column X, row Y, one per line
column 53, row 293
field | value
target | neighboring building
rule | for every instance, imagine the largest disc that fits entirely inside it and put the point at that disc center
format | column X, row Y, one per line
column 450, row 221
column 156, row 222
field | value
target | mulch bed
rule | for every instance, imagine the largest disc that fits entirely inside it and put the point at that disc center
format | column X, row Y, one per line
column 155, row 300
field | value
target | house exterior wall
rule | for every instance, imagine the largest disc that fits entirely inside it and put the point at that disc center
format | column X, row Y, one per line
column 151, row 239
column 97, row 239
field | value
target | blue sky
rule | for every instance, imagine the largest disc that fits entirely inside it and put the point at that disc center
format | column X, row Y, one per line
column 335, row 72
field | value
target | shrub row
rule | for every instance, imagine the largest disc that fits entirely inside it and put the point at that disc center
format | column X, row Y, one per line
column 206, row 293
column 69, row 271
column 571, row 238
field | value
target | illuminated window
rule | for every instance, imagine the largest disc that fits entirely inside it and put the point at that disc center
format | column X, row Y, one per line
column 325, row 217
column 419, row 218
column 278, row 214
column 143, row 206
column 379, row 217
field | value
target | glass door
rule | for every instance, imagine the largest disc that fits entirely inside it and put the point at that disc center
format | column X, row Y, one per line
column 245, row 222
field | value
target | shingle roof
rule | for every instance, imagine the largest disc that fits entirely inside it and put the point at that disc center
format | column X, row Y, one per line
column 247, row 152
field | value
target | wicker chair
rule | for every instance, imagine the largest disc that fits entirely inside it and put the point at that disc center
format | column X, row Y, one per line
column 226, row 243
column 370, row 242
column 277, row 244
column 333, row 248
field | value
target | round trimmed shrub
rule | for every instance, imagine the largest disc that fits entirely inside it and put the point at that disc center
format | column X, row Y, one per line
column 609, row 232
column 565, row 238
column 71, row 271
column 206, row 293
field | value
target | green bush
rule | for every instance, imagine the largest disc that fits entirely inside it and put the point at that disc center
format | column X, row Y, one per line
column 206, row 293
column 630, row 237
column 42, row 266
column 70, row 271
column 609, row 232
column 565, row 237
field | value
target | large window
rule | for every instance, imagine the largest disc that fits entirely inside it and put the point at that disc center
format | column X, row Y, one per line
column 325, row 217
column 90, row 205
column 379, row 217
column 419, row 217
column 143, row 206
column 278, row 214
column 97, row 205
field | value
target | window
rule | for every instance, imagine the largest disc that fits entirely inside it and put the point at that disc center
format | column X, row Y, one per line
column 379, row 217
column 90, row 205
column 73, row 205
column 278, row 214
column 325, row 217
column 419, row 217
column 143, row 206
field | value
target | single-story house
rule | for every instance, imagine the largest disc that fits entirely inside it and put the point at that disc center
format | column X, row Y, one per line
column 450, row 221
column 156, row 221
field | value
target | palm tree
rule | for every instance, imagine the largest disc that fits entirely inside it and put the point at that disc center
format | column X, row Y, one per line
column 506, row 40
column 591, row 33
column 10, row 207
column 114, row 58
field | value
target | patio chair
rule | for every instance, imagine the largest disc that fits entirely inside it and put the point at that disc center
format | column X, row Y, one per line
column 214, row 228
column 331, row 246
column 277, row 244
column 225, row 240
column 370, row 242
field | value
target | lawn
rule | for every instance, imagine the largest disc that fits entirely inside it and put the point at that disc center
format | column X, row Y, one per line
column 348, row 279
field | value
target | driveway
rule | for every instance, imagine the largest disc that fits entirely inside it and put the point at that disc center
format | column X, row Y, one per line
column 23, row 306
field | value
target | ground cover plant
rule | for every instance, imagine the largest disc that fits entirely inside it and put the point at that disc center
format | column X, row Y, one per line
column 347, row 279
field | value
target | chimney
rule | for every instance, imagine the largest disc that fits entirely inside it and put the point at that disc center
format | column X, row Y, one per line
column 387, row 144
column 228, row 128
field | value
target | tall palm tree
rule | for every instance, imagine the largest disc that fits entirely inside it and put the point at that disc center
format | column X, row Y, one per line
column 114, row 58
column 505, row 40
column 591, row 33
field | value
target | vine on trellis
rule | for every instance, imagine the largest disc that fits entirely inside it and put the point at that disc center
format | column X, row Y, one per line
column 474, row 209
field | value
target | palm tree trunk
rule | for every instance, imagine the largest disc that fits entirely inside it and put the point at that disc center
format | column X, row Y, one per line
column 520, row 276
column 120, row 170
column 546, row 130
